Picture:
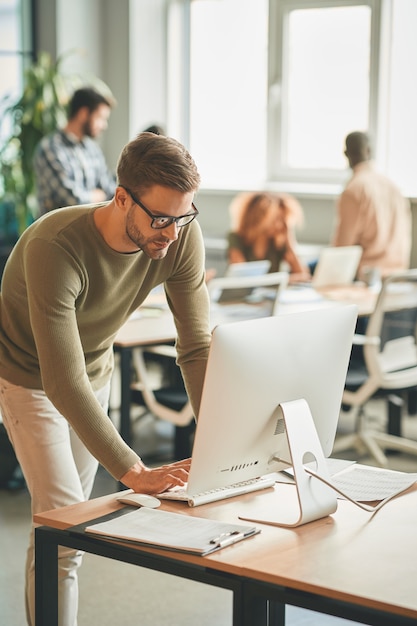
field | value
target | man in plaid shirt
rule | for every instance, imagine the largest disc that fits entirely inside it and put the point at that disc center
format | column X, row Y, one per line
column 69, row 164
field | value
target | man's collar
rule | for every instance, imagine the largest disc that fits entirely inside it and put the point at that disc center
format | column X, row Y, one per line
column 363, row 165
column 71, row 137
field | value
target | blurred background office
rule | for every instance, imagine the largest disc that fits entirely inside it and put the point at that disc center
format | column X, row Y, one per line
column 250, row 86
column 263, row 94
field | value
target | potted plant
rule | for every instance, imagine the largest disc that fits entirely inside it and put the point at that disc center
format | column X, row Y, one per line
column 40, row 109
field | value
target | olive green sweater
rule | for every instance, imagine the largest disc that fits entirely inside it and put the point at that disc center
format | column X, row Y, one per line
column 65, row 293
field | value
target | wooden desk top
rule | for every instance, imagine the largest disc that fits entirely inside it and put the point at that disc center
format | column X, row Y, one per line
column 358, row 294
column 350, row 555
column 298, row 298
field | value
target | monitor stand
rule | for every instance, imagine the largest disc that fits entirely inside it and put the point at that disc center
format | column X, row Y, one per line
column 312, row 498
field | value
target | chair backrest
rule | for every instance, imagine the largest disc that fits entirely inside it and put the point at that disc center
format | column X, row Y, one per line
column 266, row 285
column 390, row 348
column 181, row 416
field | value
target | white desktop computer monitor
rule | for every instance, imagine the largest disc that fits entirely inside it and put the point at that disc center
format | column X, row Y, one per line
column 253, row 367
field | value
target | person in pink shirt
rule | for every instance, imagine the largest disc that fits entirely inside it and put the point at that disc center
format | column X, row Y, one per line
column 372, row 213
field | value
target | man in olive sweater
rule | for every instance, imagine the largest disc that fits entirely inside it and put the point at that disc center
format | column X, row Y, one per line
column 72, row 280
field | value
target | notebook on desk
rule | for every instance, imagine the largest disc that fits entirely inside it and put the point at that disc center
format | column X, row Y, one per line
column 253, row 366
column 337, row 266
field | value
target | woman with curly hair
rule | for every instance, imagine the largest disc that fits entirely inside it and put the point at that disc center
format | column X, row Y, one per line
column 263, row 226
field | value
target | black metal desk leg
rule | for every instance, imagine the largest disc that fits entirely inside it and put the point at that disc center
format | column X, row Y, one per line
column 412, row 401
column 276, row 614
column 249, row 609
column 395, row 405
column 125, row 393
column 46, row 578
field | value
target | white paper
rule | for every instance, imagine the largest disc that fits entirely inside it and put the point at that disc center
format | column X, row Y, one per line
column 367, row 484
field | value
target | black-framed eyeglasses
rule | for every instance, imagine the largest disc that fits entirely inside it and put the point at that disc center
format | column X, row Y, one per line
column 163, row 221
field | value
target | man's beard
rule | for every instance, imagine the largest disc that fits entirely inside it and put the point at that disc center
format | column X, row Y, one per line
column 151, row 245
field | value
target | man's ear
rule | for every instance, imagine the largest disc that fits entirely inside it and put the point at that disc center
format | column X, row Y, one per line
column 83, row 114
column 122, row 198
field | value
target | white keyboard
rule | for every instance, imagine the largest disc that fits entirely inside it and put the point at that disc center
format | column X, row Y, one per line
column 221, row 493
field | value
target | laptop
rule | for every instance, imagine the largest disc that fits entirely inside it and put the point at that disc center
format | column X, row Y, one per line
column 337, row 266
column 245, row 269
column 253, row 366
column 248, row 268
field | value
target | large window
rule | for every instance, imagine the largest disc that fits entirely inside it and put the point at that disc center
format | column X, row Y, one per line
column 268, row 90
column 228, row 89
column 320, row 87
column 275, row 86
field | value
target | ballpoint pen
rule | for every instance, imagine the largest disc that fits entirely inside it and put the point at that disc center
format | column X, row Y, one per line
column 227, row 539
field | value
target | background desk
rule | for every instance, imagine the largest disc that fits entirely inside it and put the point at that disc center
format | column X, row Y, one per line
column 348, row 564
column 302, row 298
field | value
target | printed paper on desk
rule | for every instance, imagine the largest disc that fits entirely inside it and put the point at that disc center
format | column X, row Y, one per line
column 173, row 531
column 366, row 483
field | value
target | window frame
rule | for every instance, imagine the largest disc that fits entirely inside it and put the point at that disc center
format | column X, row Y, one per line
column 277, row 170
column 26, row 18
column 25, row 15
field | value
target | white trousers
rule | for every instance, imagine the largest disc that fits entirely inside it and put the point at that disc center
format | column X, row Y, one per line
column 58, row 469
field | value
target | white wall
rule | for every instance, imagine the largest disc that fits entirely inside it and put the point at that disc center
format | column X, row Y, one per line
column 115, row 67
column 148, row 75
column 84, row 36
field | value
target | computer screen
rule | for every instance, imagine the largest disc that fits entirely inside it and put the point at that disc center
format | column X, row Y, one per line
column 253, row 367
column 337, row 266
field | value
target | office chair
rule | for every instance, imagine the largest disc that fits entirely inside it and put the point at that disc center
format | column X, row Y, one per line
column 167, row 402
column 389, row 366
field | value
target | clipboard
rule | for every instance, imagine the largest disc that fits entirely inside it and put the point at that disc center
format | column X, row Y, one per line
column 172, row 531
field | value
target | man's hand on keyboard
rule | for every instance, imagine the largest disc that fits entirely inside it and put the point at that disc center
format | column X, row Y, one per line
column 143, row 479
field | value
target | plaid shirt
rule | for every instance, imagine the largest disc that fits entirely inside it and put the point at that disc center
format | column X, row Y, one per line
column 67, row 170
